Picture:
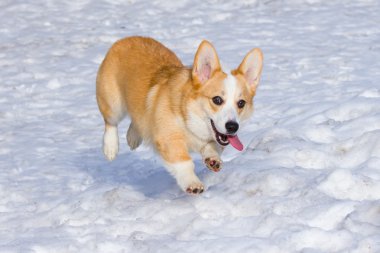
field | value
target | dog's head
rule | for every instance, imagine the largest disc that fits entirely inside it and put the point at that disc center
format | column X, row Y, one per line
column 225, row 99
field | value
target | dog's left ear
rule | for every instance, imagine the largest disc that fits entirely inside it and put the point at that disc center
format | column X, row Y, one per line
column 251, row 67
column 206, row 62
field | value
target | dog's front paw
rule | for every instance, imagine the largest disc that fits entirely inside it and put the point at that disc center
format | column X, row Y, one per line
column 213, row 163
column 195, row 188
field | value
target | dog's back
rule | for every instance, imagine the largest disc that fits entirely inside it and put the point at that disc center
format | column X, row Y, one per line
column 126, row 75
column 123, row 83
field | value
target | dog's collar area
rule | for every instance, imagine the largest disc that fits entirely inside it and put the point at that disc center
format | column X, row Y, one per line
column 222, row 139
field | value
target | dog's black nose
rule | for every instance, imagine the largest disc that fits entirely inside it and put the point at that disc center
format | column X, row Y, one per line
column 232, row 127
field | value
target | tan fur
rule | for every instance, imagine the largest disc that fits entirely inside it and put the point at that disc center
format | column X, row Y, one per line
column 142, row 78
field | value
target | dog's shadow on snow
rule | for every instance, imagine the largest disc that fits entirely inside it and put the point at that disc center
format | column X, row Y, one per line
column 142, row 170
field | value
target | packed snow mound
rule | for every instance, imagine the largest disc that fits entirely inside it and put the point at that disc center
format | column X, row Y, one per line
column 307, row 181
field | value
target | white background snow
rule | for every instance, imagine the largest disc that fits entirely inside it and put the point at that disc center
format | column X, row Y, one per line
column 308, row 181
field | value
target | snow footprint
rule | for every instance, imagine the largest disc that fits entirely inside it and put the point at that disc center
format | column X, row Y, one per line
column 329, row 217
column 342, row 184
column 371, row 93
column 353, row 109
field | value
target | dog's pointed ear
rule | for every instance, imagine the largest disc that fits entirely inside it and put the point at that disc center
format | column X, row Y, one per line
column 206, row 62
column 251, row 67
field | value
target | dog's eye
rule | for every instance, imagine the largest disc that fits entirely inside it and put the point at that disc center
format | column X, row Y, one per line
column 241, row 103
column 217, row 100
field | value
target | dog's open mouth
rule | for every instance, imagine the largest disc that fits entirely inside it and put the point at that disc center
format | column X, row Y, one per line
column 224, row 139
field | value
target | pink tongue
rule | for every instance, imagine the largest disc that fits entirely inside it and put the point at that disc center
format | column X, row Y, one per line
column 235, row 142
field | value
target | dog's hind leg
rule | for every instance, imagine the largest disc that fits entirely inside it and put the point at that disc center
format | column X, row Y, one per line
column 110, row 141
column 111, row 137
column 133, row 137
column 113, row 110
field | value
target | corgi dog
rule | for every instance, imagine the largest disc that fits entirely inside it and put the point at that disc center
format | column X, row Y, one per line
column 174, row 108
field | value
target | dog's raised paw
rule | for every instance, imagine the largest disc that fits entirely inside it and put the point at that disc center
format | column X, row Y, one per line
column 213, row 164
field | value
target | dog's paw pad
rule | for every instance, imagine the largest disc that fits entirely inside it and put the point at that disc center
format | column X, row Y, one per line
column 195, row 189
column 213, row 164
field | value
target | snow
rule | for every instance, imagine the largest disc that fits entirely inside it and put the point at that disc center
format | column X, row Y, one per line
column 308, row 180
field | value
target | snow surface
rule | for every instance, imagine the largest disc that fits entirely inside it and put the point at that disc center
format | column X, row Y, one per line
column 308, row 181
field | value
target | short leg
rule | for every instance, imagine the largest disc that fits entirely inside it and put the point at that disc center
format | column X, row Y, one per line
column 133, row 137
column 185, row 176
column 211, row 158
column 113, row 112
column 178, row 162
column 110, row 141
